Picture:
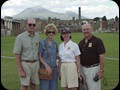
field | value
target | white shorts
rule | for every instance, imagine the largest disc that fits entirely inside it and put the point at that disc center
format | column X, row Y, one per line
column 69, row 75
column 31, row 70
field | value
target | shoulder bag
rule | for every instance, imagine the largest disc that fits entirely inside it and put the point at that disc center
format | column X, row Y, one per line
column 42, row 71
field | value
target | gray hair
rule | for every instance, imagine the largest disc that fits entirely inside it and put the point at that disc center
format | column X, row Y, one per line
column 89, row 25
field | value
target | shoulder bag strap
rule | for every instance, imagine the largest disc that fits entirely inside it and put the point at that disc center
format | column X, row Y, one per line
column 48, row 54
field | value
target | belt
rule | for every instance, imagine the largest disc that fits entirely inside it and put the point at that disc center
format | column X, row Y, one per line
column 29, row 61
column 68, row 62
column 91, row 65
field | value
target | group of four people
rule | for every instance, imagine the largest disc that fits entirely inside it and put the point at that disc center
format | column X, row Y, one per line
column 31, row 53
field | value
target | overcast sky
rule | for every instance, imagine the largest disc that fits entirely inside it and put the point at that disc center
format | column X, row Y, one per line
column 89, row 8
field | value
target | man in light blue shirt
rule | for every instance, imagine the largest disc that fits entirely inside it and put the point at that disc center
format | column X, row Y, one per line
column 26, row 55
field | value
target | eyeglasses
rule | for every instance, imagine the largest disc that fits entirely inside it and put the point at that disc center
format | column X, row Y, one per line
column 30, row 24
column 86, row 29
column 51, row 32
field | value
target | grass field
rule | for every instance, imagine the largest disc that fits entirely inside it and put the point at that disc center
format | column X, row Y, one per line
column 9, row 73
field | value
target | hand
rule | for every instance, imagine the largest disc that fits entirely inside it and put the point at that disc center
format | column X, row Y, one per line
column 100, row 74
column 59, row 75
column 48, row 70
column 78, row 74
column 22, row 73
column 81, row 79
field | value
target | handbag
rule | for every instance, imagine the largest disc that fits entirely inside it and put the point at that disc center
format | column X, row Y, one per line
column 42, row 71
column 43, row 74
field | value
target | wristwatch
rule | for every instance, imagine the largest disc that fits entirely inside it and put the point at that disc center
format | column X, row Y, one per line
column 78, row 71
column 101, row 70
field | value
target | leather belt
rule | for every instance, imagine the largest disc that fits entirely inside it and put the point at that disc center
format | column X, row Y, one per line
column 29, row 61
column 91, row 65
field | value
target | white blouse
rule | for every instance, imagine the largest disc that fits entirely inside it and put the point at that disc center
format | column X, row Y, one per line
column 68, row 52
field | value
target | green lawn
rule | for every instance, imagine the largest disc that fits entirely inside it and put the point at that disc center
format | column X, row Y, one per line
column 9, row 73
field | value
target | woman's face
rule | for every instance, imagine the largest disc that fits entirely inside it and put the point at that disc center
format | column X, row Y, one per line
column 50, row 33
column 66, row 36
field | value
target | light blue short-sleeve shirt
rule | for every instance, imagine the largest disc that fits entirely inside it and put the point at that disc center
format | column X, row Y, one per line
column 27, row 46
column 52, row 50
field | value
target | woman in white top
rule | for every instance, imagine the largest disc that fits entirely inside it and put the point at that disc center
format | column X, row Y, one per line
column 69, row 61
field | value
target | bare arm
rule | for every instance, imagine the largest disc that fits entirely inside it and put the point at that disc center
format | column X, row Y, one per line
column 101, row 57
column 48, row 68
column 59, row 69
column 78, row 64
column 59, row 64
column 101, row 61
column 18, row 63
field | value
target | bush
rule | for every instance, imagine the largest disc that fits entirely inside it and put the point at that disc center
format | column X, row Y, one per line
column 15, row 32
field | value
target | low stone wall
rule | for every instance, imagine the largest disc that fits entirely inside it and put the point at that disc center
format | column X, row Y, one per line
column 5, row 32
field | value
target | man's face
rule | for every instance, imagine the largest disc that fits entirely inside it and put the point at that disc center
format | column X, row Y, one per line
column 87, row 31
column 31, row 25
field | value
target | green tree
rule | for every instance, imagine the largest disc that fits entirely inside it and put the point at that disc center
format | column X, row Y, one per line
column 104, row 18
column 116, row 18
column 96, row 19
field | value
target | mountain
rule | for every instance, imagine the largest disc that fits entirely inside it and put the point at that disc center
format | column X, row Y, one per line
column 42, row 13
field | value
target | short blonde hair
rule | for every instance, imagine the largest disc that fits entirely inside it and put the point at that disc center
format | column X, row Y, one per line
column 49, row 26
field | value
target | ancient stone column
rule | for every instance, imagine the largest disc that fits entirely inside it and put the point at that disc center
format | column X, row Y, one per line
column 100, row 29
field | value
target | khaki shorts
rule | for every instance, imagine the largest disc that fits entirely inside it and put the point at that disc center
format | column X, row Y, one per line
column 69, row 75
column 31, row 70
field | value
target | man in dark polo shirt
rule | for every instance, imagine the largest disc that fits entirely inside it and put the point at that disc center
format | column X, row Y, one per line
column 92, row 58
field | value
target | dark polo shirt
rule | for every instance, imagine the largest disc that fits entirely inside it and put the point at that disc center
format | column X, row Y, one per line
column 91, row 50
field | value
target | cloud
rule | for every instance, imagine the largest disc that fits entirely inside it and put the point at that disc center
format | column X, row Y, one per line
column 99, row 11
column 5, row 12
column 89, row 8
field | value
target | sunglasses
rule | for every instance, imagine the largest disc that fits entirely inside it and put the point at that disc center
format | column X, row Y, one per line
column 51, row 32
column 31, row 25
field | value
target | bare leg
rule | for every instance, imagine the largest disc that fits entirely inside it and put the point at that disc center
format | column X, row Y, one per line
column 68, row 88
column 32, row 86
column 74, row 88
column 71, row 88
column 24, row 87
